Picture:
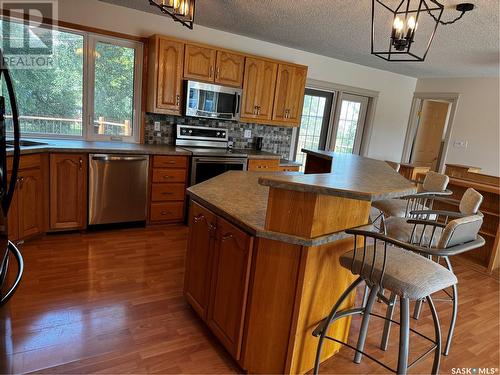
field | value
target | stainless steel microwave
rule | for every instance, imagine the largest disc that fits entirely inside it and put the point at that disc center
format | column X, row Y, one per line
column 212, row 101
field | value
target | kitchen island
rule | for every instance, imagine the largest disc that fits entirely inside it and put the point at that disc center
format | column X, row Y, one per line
column 262, row 265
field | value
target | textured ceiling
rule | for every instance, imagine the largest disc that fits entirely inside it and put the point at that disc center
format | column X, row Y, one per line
column 341, row 29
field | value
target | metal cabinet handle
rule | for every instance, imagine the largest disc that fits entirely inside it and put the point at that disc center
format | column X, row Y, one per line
column 211, row 71
column 167, row 193
column 255, row 110
column 165, row 212
column 227, row 236
column 217, row 73
column 81, row 164
column 198, row 218
column 166, row 176
column 258, row 110
column 177, row 100
column 21, row 181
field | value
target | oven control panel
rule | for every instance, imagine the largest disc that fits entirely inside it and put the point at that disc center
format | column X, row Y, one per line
column 188, row 135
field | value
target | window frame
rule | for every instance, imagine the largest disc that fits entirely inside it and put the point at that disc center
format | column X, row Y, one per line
column 88, row 75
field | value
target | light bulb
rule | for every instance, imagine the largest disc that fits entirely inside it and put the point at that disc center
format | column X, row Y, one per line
column 398, row 24
column 411, row 23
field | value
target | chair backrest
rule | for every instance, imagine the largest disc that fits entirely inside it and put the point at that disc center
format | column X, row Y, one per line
column 460, row 231
column 470, row 202
column 434, row 181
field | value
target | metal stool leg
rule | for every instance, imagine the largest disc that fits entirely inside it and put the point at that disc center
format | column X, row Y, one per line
column 453, row 321
column 329, row 320
column 418, row 309
column 437, row 331
column 387, row 325
column 404, row 336
column 365, row 295
column 364, row 324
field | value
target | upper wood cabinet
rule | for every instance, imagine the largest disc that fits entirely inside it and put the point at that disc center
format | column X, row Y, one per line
column 258, row 89
column 289, row 98
column 211, row 65
column 165, row 71
column 68, row 191
column 229, row 68
column 199, row 63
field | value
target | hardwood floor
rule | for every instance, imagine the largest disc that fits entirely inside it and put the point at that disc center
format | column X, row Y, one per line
column 112, row 302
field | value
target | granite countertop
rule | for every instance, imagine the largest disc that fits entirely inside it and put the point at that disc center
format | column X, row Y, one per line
column 66, row 145
column 247, row 208
column 352, row 177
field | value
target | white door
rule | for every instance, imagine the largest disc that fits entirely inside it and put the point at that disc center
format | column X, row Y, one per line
column 347, row 131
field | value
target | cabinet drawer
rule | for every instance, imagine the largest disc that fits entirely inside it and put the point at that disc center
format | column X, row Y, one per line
column 168, row 192
column 263, row 165
column 26, row 161
column 290, row 168
column 168, row 211
column 169, row 175
column 170, row 162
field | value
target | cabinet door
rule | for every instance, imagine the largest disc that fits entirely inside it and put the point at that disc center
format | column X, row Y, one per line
column 251, row 81
column 231, row 269
column 30, row 202
column 13, row 216
column 258, row 89
column 229, row 69
column 199, row 63
column 169, row 84
column 68, row 191
column 290, row 86
column 198, row 259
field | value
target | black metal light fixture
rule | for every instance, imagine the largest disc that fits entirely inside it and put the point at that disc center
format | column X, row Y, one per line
column 180, row 10
column 405, row 19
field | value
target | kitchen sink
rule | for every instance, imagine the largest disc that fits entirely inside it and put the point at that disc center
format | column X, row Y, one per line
column 24, row 143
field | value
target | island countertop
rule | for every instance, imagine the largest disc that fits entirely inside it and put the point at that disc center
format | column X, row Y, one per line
column 351, row 176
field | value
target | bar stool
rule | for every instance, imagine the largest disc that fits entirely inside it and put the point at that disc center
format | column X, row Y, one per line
column 423, row 229
column 434, row 185
column 397, row 266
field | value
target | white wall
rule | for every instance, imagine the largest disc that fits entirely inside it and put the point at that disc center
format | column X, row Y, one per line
column 476, row 121
column 396, row 90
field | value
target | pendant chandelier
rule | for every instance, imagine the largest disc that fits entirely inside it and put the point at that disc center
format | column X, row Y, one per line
column 180, row 10
column 403, row 30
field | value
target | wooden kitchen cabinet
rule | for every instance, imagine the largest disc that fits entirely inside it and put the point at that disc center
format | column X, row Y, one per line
column 199, row 255
column 263, row 165
column 258, row 89
column 199, row 63
column 218, row 293
column 26, row 213
column 165, row 72
column 229, row 68
column 68, row 191
column 289, row 97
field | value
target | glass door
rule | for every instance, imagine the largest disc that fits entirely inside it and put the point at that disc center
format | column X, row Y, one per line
column 314, row 122
column 347, row 132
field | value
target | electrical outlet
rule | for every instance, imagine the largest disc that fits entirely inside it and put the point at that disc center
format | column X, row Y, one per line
column 248, row 133
column 460, row 144
column 157, row 126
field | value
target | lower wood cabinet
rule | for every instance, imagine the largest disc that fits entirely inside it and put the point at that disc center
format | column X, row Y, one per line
column 263, row 165
column 26, row 213
column 68, row 191
column 218, row 293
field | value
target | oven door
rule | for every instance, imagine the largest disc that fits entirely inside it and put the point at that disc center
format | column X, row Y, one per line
column 212, row 101
column 205, row 168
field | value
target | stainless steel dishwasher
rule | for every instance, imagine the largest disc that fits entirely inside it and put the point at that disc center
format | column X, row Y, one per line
column 117, row 188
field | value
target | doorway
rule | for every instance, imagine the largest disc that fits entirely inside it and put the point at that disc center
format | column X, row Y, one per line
column 429, row 130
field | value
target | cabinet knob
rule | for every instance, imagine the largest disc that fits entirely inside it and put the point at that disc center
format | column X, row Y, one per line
column 177, row 100
column 80, row 164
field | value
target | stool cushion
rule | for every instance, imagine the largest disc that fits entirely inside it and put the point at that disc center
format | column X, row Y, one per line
column 395, row 207
column 407, row 274
column 400, row 229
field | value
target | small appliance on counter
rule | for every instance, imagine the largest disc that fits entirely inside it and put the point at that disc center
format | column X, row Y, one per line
column 258, row 143
column 8, row 251
column 212, row 101
column 211, row 155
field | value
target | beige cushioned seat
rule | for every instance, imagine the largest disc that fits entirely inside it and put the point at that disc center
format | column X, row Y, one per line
column 407, row 274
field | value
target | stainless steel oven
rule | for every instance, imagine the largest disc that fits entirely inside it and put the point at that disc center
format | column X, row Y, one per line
column 212, row 101
column 205, row 167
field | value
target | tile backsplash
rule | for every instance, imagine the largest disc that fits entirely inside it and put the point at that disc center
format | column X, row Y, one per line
column 275, row 139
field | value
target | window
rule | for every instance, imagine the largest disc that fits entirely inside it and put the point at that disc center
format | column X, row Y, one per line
column 92, row 91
